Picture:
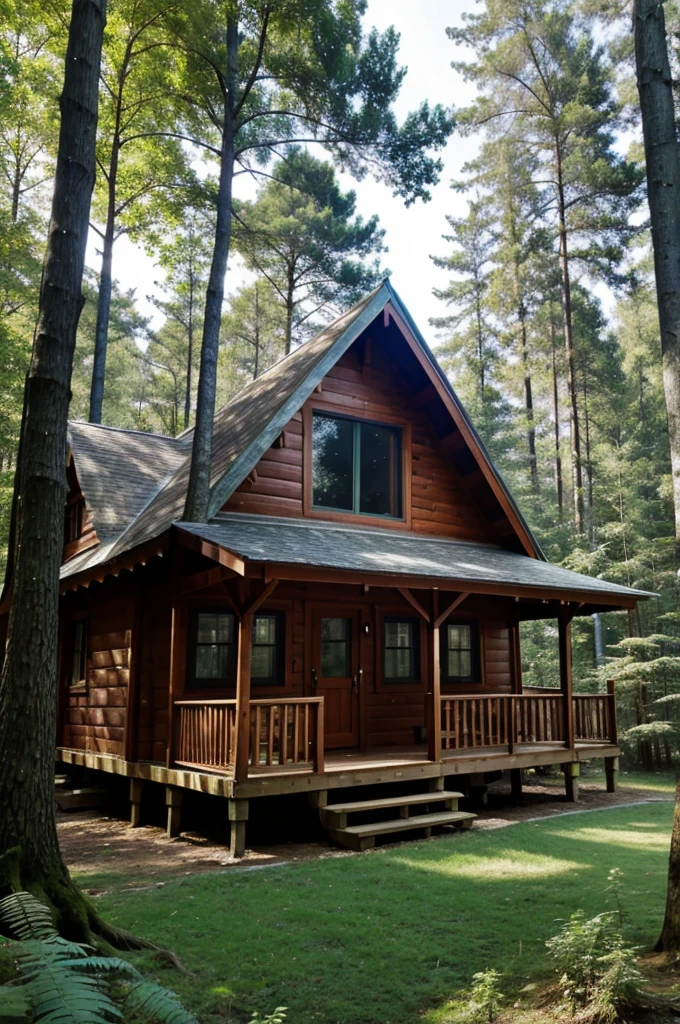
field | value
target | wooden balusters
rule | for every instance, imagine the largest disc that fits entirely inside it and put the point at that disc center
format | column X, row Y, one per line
column 205, row 733
column 595, row 716
column 501, row 720
column 281, row 733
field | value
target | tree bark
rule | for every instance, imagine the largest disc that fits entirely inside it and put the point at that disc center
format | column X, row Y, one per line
column 101, row 335
column 669, row 940
column 198, row 493
column 29, row 851
column 655, row 87
column 577, row 470
column 190, row 352
column 556, row 417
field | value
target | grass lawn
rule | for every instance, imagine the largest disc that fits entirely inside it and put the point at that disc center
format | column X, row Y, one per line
column 391, row 935
column 653, row 783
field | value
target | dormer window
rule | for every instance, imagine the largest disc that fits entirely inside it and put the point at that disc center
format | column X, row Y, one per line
column 356, row 466
column 73, row 523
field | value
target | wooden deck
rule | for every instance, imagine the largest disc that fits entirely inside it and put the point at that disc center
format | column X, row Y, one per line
column 343, row 769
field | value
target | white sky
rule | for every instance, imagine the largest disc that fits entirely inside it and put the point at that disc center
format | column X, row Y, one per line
column 412, row 234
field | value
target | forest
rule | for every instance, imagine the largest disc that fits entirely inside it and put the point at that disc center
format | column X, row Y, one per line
column 548, row 327
column 216, row 140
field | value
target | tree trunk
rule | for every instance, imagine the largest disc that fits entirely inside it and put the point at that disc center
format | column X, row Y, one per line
column 556, row 416
column 256, row 367
column 669, row 940
column 190, row 353
column 655, row 86
column 529, row 403
column 198, row 493
column 577, row 471
column 29, row 851
column 101, row 334
column 290, row 309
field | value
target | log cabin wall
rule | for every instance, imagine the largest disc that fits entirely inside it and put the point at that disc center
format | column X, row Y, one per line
column 96, row 709
column 439, row 501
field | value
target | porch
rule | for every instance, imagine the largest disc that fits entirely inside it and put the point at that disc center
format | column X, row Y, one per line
column 286, row 737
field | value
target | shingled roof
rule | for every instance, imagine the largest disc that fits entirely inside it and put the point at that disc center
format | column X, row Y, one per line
column 119, row 471
column 135, row 483
column 362, row 549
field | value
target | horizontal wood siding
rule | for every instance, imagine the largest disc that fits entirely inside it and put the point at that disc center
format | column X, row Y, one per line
column 95, row 717
column 441, row 500
column 497, row 657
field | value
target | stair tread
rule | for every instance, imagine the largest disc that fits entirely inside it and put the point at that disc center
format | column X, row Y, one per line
column 404, row 824
column 392, row 801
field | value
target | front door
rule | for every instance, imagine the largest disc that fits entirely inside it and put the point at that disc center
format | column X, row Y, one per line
column 335, row 674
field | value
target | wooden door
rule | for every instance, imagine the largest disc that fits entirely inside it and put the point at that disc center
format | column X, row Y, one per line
column 335, row 673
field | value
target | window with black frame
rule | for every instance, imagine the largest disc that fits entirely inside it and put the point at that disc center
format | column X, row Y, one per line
column 460, row 652
column 266, row 662
column 401, row 650
column 79, row 654
column 212, row 660
column 356, row 466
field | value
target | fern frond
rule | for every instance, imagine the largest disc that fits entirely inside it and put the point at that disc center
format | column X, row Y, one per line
column 26, row 917
column 157, row 1002
column 103, row 965
column 59, row 995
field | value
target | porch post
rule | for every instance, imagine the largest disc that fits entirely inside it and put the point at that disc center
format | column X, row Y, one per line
column 564, row 622
column 245, row 636
column 434, row 733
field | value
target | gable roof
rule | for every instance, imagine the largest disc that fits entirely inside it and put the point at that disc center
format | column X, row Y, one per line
column 157, row 468
column 119, row 471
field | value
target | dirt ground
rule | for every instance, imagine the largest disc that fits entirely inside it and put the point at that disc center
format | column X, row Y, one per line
column 102, row 843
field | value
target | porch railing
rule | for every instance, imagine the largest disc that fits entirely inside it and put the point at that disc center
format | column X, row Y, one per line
column 471, row 722
column 282, row 733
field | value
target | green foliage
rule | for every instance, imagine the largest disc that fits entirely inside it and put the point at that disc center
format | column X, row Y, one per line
column 485, row 999
column 597, row 970
column 302, row 235
column 63, row 983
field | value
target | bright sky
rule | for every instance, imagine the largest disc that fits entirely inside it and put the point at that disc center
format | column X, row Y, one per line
column 412, row 234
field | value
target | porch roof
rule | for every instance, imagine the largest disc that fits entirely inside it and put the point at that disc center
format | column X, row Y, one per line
column 405, row 556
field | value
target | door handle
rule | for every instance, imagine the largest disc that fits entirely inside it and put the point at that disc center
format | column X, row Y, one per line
column 314, row 682
column 356, row 680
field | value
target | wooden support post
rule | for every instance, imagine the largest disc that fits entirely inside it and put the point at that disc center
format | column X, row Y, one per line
column 434, row 732
column 516, row 783
column 572, row 770
column 611, row 767
column 436, row 785
column 136, row 786
column 238, row 816
column 478, row 789
column 564, row 623
column 173, row 800
column 242, row 757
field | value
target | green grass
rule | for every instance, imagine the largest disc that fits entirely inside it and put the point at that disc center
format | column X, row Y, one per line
column 390, row 936
column 654, row 783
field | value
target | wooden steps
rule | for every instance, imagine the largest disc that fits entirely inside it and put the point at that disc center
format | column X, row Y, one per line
column 334, row 817
column 87, row 798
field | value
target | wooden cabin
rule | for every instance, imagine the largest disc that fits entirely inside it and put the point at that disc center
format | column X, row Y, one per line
column 349, row 615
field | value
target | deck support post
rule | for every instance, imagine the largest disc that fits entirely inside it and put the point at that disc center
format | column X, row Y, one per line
column 238, row 816
column 434, row 732
column 572, row 770
column 566, row 683
column 516, row 783
column 136, row 787
column 242, row 753
column 478, row 789
column 611, row 767
column 173, row 800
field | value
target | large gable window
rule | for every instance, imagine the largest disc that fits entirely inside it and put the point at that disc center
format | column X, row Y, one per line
column 356, row 466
